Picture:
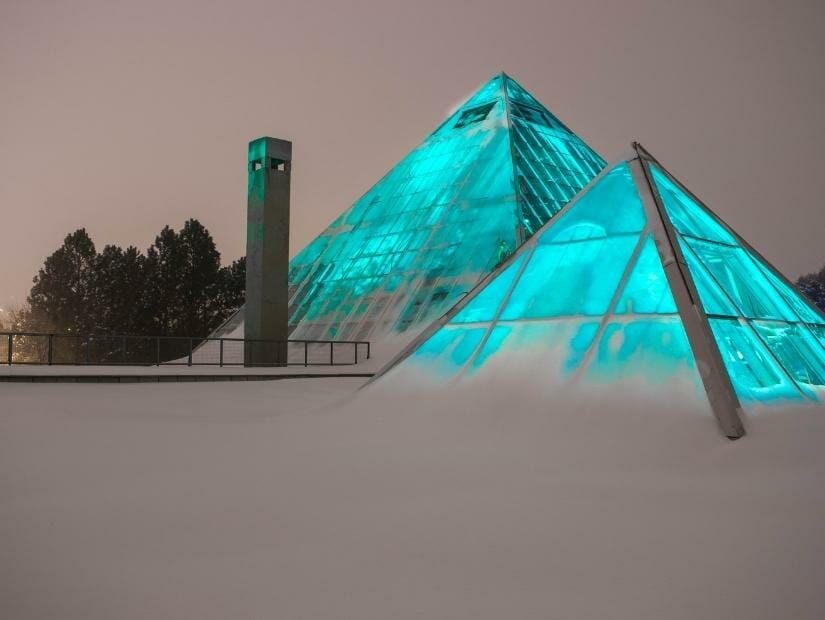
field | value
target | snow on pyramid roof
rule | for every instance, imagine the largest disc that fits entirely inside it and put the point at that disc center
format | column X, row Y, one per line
column 486, row 179
column 635, row 279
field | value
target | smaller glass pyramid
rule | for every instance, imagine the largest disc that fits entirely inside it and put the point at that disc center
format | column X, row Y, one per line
column 591, row 299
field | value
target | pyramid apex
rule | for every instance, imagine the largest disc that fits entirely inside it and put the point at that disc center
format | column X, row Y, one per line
column 641, row 150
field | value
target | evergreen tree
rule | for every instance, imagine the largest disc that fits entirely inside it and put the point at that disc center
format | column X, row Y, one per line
column 184, row 285
column 162, row 262
column 119, row 290
column 232, row 286
column 62, row 293
column 813, row 286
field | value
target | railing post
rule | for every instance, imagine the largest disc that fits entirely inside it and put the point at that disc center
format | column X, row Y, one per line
column 190, row 352
column 306, row 353
column 331, row 363
column 157, row 350
column 356, row 353
column 221, row 355
column 11, row 340
column 368, row 349
column 51, row 344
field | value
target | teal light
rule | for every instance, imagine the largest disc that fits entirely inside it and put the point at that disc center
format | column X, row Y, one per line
column 579, row 261
column 582, row 275
column 758, row 321
column 686, row 214
column 441, row 219
column 755, row 375
column 714, row 300
column 647, row 290
column 791, row 296
column 588, row 298
column 596, row 260
column 494, row 342
column 484, row 305
column 742, row 280
column 796, row 350
column 819, row 333
column 652, row 349
column 448, row 349
column 551, row 346
column 609, row 208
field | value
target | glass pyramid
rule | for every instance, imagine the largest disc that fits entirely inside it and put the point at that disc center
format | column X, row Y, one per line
column 588, row 299
column 452, row 210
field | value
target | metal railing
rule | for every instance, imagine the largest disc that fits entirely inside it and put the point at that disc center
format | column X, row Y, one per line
column 54, row 349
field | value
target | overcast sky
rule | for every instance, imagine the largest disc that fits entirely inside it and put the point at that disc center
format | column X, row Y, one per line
column 123, row 117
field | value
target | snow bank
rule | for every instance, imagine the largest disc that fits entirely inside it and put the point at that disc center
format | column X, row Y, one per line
column 300, row 499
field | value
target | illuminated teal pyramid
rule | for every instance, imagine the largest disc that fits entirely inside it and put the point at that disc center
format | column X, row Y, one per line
column 483, row 182
column 635, row 280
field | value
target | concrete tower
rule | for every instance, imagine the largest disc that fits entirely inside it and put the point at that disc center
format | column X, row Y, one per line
column 267, row 251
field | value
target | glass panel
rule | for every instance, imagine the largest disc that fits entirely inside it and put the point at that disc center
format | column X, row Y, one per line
column 791, row 295
column 742, row 280
column 753, row 372
column 550, row 168
column 819, row 333
column 485, row 304
column 647, row 290
column 569, row 279
column 611, row 207
column 795, row 349
column 537, row 351
column 687, row 215
column 714, row 301
column 447, row 350
column 655, row 350
column 494, row 342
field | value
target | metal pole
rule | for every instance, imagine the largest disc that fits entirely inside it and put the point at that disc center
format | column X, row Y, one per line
column 717, row 383
column 221, row 348
column 356, row 352
column 368, row 350
column 51, row 343
column 306, row 353
column 190, row 352
column 157, row 348
column 330, row 354
column 11, row 340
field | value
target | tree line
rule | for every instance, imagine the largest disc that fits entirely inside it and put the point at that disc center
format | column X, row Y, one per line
column 176, row 288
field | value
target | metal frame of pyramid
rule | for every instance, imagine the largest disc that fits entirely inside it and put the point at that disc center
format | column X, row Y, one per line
column 689, row 303
column 492, row 173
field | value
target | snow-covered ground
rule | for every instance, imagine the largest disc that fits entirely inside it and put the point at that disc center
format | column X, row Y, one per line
column 294, row 499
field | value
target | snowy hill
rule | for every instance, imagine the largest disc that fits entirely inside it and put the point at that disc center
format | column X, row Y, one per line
column 295, row 500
